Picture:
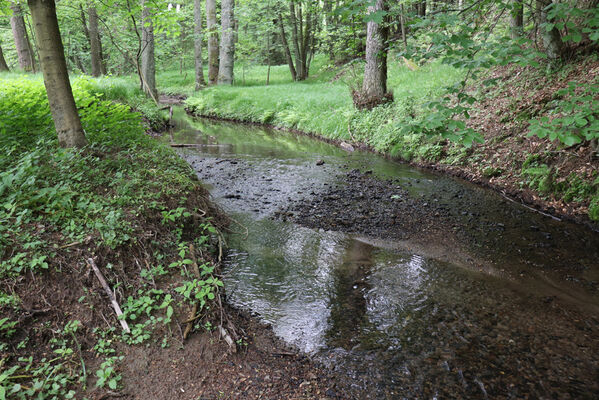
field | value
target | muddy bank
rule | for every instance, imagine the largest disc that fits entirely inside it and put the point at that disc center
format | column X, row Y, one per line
column 263, row 367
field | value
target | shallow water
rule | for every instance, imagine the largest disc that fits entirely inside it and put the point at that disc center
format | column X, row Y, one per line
column 399, row 323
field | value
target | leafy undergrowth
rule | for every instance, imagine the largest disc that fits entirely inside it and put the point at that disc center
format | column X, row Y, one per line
column 545, row 169
column 126, row 202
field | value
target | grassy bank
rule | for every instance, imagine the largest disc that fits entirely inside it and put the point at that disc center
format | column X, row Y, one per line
column 127, row 202
column 540, row 172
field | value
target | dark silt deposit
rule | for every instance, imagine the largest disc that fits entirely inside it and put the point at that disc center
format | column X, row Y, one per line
column 406, row 284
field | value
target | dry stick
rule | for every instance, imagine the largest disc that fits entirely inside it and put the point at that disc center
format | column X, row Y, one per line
column 115, row 305
column 196, row 145
column 194, row 309
column 530, row 208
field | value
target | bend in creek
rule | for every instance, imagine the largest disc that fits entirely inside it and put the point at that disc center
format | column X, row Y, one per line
column 467, row 296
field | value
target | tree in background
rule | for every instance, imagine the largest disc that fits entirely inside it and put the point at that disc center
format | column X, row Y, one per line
column 56, row 78
column 374, row 86
column 94, row 43
column 197, row 44
column 148, row 62
column 227, row 43
column 3, row 65
column 212, row 41
column 22, row 43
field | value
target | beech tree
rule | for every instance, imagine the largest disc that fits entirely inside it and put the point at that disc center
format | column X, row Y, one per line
column 56, row 78
column 22, row 43
column 374, row 87
column 94, row 42
column 227, row 43
column 212, row 41
column 197, row 44
column 303, row 19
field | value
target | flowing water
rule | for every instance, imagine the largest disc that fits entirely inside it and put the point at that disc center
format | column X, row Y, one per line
column 392, row 321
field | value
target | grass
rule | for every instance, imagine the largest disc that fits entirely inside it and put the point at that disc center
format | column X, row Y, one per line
column 323, row 105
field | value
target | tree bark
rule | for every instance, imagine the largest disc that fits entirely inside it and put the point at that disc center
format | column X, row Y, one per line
column 197, row 44
column 22, row 43
column 286, row 48
column 227, row 43
column 517, row 18
column 56, row 78
column 375, row 72
column 212, row 41
column 552, row 40
column 3, row 65
column 148, row 63
column 94, row 42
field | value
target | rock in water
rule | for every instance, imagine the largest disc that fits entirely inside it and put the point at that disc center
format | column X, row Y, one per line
column 346, row 146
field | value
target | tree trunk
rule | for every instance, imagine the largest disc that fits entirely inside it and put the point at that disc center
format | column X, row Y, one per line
column 422, row 9
column 517, row 18
column 295, row 39
column 197, row 44
column 56, row 78
column 148, row 63
column 3, row 65
column 375, row 73
column 227, row 43
column 94, row 42
column 212, row 41
column 22, row 43
column 552, row 40
column 286, row 48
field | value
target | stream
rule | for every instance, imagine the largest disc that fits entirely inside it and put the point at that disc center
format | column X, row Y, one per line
column 441, row 290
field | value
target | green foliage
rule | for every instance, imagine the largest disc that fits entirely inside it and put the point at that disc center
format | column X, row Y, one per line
column 573, row 117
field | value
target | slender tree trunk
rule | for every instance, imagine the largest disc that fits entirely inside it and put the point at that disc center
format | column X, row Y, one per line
column 286, row 48
column 94, row 42
column 517, row 18
column 295, row 38
column 148, row 62
column 3, row 65
column 227, row 43
column 197, row 44
column 56, row 78
column 375, row 73
column 552, row 40
column 402, row 22
column 22, row 43
column 212, row 41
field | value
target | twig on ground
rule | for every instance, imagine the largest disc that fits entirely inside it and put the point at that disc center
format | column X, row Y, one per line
column 115, row 304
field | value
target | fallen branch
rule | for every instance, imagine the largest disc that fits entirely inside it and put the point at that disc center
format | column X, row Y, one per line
column 115, row 305
column 228, row 339
column 196, row 145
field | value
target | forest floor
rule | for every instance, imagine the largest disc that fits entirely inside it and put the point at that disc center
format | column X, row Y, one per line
column 555, row 179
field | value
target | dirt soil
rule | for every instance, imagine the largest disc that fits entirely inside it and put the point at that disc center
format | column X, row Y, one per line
column 204, row 367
